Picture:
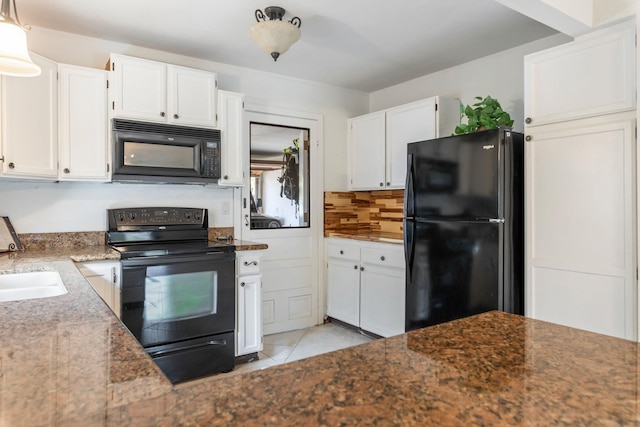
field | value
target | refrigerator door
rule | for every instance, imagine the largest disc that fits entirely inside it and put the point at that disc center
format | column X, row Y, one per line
column 453, row 270
column 457, row 177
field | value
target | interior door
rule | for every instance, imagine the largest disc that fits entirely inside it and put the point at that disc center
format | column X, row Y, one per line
column 290, row 225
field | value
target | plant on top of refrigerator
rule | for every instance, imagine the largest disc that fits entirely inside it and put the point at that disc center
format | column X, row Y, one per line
column 483, row 115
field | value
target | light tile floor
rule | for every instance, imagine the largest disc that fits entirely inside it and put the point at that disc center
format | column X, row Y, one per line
column 295, row 345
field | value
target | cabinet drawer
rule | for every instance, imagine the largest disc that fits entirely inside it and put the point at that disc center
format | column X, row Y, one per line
column 343, row 252
column 389, row 257
column 248, row 264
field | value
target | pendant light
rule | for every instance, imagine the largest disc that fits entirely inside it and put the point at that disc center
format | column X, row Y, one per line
column 14, row 55
column 274, row 36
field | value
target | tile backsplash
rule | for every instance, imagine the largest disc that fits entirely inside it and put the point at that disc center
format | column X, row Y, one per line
column 363, row 212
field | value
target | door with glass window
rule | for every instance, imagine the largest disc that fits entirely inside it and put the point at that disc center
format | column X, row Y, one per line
column 281, row 206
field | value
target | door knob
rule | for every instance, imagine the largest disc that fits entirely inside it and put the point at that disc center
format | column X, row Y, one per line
column 242, row 284
column 175, row 116
column 11, row 165
column 66, row 170
column 528, row 120
column 162, row 114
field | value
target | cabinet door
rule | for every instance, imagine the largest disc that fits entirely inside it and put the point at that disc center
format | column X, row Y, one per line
column 30, row 123
column 139, row 88
column 104, row 277
column 192, row 96
column 382, row 300
column 231, row 120
column 590, row 76
column 367, row 152
column 580, row 185
column 409, row 123
column 83, row 124
column 343, row 291
column 249, row 322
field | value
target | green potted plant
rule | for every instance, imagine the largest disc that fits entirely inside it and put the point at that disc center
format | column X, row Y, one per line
column 483, row 115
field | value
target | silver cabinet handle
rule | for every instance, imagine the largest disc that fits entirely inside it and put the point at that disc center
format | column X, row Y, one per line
column 251, row 263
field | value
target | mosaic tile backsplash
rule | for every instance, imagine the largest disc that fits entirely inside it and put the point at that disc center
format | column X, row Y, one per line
column 363, row 212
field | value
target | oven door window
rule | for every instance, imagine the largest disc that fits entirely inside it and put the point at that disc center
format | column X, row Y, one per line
column 180, row 296
column 159, row 155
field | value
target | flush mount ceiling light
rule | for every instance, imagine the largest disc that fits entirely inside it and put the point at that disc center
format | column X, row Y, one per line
column 274, row 36
column 14, row 55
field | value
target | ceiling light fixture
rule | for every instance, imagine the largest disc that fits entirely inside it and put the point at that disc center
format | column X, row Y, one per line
column 14, row 55
column 274, row 36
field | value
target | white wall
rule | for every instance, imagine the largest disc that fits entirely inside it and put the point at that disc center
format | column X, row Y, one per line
column 500, row 75
column 56, row 207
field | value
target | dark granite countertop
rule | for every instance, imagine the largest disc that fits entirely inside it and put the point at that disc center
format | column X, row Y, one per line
column 67, row 360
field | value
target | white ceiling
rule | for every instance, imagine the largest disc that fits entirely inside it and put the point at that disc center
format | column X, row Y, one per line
column 360, row 44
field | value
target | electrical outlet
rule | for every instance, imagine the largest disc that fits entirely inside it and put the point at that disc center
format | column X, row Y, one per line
column 226, row 208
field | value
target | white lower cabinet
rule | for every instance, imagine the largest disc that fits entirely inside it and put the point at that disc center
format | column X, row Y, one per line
column 248, row 303
column 104, row 277
column 366, row 285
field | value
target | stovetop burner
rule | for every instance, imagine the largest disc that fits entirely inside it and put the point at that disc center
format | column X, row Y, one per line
column 146, row 232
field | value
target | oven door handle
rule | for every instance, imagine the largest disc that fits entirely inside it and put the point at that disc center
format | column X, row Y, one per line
column 172, row 259
column 186, row 347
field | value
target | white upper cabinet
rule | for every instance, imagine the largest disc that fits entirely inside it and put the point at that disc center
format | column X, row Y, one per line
column 593, row 75
column 30, row 123
column 83, row 126
column 367, row 151
column 378, row 141
column 191, row 96
column 231, row 120
column 154, row 91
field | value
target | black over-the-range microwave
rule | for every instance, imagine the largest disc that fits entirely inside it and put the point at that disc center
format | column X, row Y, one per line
column 161, row 153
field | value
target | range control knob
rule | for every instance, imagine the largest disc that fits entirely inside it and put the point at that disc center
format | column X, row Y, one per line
column 132, row 215
column 187, row 215
column 197, row 215
column 120, row 216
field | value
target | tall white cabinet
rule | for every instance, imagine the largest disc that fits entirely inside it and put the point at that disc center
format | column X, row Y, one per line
column 581, row 183
column 378, row 141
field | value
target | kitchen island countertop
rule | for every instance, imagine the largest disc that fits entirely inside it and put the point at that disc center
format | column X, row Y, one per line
column 67, row 360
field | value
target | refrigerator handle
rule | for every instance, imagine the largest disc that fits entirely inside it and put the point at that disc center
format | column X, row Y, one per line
column 409, row 200
column 409, row 247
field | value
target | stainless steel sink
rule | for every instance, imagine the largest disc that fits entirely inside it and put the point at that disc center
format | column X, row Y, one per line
column 30, row 285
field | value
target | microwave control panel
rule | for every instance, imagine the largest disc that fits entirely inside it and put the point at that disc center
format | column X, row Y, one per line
column 211, row 159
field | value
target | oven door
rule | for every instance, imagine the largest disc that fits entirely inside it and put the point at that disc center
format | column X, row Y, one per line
column 168, row 299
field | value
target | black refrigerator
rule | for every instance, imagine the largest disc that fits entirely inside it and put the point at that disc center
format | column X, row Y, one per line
column 464, row 226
